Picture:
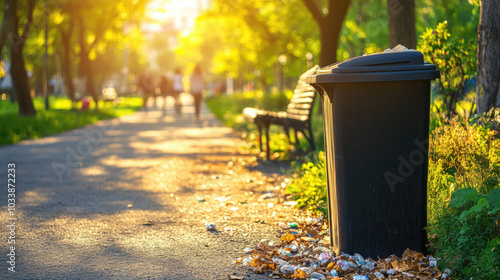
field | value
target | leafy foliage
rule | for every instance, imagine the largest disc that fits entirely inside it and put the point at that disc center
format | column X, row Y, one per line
column 466, row 235
column 463, row 220
column 469, row 153
column 461, row 156
column 454, row 58
column 250, row 36
column 308, row 186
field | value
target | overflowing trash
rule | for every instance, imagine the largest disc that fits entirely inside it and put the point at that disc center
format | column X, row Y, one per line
column 304, row 253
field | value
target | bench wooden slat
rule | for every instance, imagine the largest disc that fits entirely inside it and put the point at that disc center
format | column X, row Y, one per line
column 297, row 115
column 299, row 106
column 303, row 94
column 303, row 100
column 298, row 112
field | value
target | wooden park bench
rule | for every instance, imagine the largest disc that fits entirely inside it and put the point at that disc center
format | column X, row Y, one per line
column 109, row 95
column 297, row 115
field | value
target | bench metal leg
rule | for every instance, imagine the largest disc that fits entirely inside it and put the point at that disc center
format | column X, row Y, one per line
column 311, row 139
column 260, row 137
column 287, row 131
column 267, row 142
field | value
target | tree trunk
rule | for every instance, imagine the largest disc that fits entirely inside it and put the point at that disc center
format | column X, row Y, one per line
column 330, row 26
column 488, row 54
column 66, row 61
column 86, row 64
column 401, row 19
column 20, row 83
column 329, row 45
column 18, row 71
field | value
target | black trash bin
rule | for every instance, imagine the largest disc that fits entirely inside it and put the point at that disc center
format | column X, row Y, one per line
column 376, row 111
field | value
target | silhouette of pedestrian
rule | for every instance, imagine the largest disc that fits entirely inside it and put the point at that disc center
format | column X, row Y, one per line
column 197, row 83
column 166, row 89
column 178, row 89
column 147, row 86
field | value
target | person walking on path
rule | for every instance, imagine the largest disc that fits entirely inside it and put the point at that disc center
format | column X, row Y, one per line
column 178, row 89
column 166, row 89
column 147, row 86
column 197, row 83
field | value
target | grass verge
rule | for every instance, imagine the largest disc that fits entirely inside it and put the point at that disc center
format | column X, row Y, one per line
column 59, row 118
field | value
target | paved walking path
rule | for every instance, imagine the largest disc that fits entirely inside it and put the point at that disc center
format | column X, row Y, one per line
column 119, row 200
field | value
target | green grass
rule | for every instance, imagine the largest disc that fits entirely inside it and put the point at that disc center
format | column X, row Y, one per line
column 228, row 108
column 59, row 118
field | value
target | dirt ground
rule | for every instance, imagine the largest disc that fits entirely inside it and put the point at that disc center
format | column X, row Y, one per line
column 129, row 199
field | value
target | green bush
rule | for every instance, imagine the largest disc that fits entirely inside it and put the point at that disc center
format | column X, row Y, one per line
column 461, row 155
column 464, row 166
column 466, row 235
column 308, row 185
column 455, row 59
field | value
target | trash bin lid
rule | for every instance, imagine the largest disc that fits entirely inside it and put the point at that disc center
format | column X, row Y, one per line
column 384, row 66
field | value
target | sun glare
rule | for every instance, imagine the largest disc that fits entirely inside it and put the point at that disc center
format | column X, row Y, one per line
column 161, row 10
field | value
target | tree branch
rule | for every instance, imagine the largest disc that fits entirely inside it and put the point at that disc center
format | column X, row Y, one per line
column 29, row 22
column 7, row 26
column 101, row 31
column 337, row 10
column 313, row 8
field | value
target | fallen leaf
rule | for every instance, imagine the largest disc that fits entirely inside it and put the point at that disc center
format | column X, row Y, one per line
column 288, row 237
column 312, row 232
column 299, row 273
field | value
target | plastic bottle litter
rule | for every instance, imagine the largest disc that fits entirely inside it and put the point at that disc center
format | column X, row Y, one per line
column 293, row 225
column 210, row 226
column 324, row 257
column 345, row 265
column 273, row 244
column 288, row 268
column 368, row 266
column 280, row 261
column 307, row 269
column 379, row 275
column 360, row 277
column 432, row 261
column 446, row 273
column 359, row 259
column 316, row 275
column 247, row 260
column 334, row 273
column 391, row 271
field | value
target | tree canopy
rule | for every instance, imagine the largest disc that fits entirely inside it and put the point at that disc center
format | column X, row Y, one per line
column 90, row 42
